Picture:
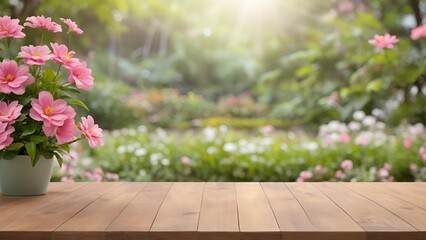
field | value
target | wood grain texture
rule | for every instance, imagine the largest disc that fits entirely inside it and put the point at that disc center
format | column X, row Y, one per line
column 179, row 213
column 137, row 218
column 410, row 213
column 93, row 220
column 376, row 220
column 255, row 214
column 219, row 212
column 324, row 214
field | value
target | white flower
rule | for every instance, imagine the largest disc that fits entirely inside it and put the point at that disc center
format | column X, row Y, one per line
column 378, row 113
column 358, row 115
column 165, row 162
column 369, row 121
column 311, row 146
column 209, row 133
column 223, row 128
column 229, row 147
column 354, row 126
column 334, row 126
column 140, row 152
column 142, row 129
column 121, row 149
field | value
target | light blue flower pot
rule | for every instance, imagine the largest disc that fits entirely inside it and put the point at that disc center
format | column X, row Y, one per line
column 19, row 178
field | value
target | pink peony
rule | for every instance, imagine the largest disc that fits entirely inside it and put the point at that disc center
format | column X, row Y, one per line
column 42, row 22
column 422, row 151
column 9, row 113
column 10, row 28
column 65, row 133
column 112, row 176
column 51, row 112
column 347, row 164
column 384, row 41
column 35, row 55
column 72, row 26
column 299, row 179
column 5, row 139
column 91, row 131
column 413, row 167
column 81, row 76
column 418, row 32
column 408, row 142
column 14, row 78
column 61, row 55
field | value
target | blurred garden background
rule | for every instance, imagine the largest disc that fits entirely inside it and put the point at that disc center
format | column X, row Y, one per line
column 247, row 90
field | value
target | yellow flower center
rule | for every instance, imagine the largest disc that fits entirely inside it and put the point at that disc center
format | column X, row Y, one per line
column 67, row 56
column 36, row 54
column 58, row 130
column 48, row 110
column 10, row 77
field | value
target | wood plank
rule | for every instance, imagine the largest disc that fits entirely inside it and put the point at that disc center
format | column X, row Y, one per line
column 137, row 218
column 178, row 215
column 325, row 215
column 257, row 221
column 376, row 220
column 219, row 212
column 410, row 195
column 410, row 213
column 93, row 220
column 8, row 199
column 26, row 205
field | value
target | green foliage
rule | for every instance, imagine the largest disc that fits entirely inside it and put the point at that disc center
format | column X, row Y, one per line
column 223, row 154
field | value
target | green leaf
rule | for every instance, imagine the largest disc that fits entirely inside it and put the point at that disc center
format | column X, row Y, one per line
column 8, row 155
column 79, row 103
column 32, row 151
column 375, row 85
column 48, row 75
column 65, row 147
column 29, row 129
column 59, row 158
column 14, row 146
column 38, row 139
column 47, row 154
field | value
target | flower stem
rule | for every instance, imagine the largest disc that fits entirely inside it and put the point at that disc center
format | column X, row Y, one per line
column 42, row 36
column 57, row 73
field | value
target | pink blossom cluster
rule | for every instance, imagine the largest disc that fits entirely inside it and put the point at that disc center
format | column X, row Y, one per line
column 55, row 114
column 334, row 132
column 347, row 166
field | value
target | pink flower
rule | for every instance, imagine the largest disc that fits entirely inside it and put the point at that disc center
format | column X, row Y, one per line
column 5, row 139
column 299, row 179
column 383, row 173
column 185, row 160
column 347, row 164
column 413, row 167
column 14, row 78
column 362, row 140
column 418, row 32
column 42, row 22
column 35, row 55
column 10, row 28
column 81, row 76
column 51, row 112
column 91, row 131
column 384, row 41
column 408, row 142
column 112, row 176
column 345, row 138
column 268, row 129
column 65, row 133
column 72, row 26
column 61, row 55
column 9, row 113
column 67, row 179
column 339, row 174
column 422, row 151
column 305, row 174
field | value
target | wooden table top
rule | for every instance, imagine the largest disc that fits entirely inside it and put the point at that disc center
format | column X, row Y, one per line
column 187, row 211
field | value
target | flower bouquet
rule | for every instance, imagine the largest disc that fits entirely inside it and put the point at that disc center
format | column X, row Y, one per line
column 37, row 118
